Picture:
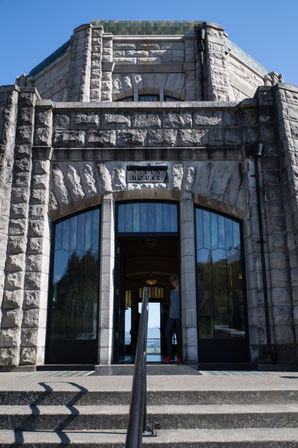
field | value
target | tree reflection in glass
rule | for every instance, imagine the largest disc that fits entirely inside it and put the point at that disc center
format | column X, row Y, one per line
column 219, row 273
column 75, row 285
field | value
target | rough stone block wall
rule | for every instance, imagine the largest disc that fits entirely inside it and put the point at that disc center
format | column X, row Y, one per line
column 51, row 83
column 228, row 78
column 179, row 54
column 275, row 236
column 287, row 112
column 213, row 184
column 244, row 80
column 151, row 51
column 163, row 128
column 67, row 157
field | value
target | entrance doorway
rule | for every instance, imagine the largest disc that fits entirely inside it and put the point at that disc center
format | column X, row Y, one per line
column 147, row 252
column 143, row 261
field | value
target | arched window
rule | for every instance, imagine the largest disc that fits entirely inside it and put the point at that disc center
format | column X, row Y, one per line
column 128, row 98
column 151, row 98
column 73, row 300
column 220, row 290
column 148, row 97
column 170, row 98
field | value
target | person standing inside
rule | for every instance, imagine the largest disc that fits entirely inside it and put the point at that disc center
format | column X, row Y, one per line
column 173, row 324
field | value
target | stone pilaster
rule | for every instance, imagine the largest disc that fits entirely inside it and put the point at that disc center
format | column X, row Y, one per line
column 274, row 224
column 106, row 294
column 107, row 68
column 287, row 115
column 96, row 63
column 8, row 117
column 38, row 248
column 188, row 280
column 216, row 64
column 189, row 67
column 78, row 87
column 12, row 311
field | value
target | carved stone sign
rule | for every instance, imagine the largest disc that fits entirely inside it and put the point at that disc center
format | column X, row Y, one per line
column 146, row 174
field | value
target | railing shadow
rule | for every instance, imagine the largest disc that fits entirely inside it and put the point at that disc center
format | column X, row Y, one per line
column 28, row 422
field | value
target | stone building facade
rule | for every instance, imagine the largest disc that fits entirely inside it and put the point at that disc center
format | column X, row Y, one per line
column 132, row 115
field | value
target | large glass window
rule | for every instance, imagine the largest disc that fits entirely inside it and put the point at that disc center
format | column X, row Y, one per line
column 146, row 217
column 221, row 313
column 73, row 305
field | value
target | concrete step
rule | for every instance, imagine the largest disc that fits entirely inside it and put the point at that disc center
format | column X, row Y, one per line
column 191, row 438
column 164, row 417
column 155, row 397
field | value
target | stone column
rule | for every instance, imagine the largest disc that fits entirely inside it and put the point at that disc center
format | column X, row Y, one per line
column 106, row 291
column 80, row 64
column 188, row 279
column 37, row 260
column 12, row 311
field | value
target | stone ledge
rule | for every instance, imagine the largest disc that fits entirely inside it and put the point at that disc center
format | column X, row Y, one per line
column 143, row 105
column 45, row 104
column 213, row 25
column 286, row 86
column 82, row 27
column 142, row 153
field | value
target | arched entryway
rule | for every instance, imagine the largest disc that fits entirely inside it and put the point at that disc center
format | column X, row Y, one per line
column 147, row 252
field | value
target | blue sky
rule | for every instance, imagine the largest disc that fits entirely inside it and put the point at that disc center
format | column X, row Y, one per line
column 30, row 30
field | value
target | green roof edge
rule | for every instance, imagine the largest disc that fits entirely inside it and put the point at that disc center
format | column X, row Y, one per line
column 147, row 27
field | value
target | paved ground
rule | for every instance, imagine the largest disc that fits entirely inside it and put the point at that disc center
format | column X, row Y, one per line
column 208, row 380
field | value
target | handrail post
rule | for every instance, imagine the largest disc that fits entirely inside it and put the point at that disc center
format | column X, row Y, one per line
column 137, row 424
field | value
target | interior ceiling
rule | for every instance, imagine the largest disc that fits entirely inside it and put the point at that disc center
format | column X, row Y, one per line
column 150, row 257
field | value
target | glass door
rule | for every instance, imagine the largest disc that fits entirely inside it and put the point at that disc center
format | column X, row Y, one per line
column 220, row 289
column 73, row 300
column 147, row 253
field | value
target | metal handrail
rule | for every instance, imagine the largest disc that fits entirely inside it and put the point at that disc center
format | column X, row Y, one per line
column 137, row 423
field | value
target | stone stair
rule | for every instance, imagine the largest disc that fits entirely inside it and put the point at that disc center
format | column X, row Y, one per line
column 94, row 415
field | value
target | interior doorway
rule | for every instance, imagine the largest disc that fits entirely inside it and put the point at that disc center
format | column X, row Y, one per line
column 141, row 261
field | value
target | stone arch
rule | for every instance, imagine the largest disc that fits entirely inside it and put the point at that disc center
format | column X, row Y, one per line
column 172, row 84
column 123, row 94
column 216, row 185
